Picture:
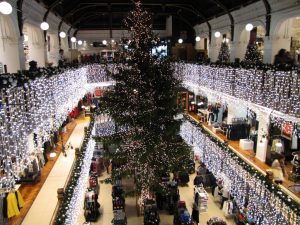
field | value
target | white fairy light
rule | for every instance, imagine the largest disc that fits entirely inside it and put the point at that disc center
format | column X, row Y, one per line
column 264, row 207
column 270, row 91
column 76, row 202
column 39, row 107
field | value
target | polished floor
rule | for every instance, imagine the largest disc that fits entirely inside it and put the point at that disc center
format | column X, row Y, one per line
column 186, row 194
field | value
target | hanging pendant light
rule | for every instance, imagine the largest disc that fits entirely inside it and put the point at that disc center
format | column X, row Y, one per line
column 62, row 34
column 249, row 27
column 5, row 8
column 44, row 25
column 217, row 34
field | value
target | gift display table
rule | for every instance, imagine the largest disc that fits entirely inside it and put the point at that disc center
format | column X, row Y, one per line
column 246, row 144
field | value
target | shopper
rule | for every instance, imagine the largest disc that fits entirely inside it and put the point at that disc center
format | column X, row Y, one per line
column 283, row 60
column 195, row 213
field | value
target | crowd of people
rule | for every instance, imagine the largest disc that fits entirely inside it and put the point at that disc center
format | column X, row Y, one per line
column 283, row 59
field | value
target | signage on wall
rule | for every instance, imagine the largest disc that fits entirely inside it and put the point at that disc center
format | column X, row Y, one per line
column 287, row 130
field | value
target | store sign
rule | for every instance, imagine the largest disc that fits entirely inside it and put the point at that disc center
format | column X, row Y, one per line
column 98, row 92
column 287, row 130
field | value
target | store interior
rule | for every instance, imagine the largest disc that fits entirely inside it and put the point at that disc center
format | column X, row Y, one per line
column 187, row 115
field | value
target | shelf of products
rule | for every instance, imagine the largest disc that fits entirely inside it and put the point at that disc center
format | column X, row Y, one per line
column 201, row 198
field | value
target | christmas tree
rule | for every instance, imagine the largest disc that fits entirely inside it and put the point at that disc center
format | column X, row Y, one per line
column 144, row 101
column 224, row 55
column 253, row 55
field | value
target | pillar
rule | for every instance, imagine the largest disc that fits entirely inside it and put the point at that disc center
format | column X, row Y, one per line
column 267, row 50
column 263, row 132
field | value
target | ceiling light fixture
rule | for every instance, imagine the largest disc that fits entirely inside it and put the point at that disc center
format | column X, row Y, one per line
column 180, row 41
column 79, row 42
column 249, row 27
column 44, row 25
column 217, row 34
column 198, row 38
column 62, row 34
column 104, row 42
column 73, row 39
column 5, row 8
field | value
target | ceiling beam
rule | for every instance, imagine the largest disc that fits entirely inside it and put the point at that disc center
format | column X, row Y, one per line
column 52, row 6
column 20, row 16
column 268, row 17
column 222, row 6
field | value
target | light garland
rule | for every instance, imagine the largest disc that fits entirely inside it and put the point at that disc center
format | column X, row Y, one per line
column 70, row 208
column 265, row 203
column 39, row 106
column 276, row 90
column 76, row 203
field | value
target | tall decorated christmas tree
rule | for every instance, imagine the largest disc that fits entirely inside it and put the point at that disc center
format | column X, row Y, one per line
column 253, row 55
column 224, row 55
column 144, row 101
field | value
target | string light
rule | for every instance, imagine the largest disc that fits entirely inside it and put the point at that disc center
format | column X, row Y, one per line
column 264, row 203
column 76, row 203
column 39, row 106
column 272, row 90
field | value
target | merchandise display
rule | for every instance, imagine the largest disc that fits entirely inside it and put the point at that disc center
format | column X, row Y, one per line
column 151, row 216
column 200, row 198
column 119, row 218
column 217, row 156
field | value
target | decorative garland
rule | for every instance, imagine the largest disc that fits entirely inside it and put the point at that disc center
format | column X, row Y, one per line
column 276, row 90
column 38, row 106
column 71, row 204
column 265, row 201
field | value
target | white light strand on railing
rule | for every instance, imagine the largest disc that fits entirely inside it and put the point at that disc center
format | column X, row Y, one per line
column 263, row 206
column 76, row 204
column 277, row 90
column 39, row 107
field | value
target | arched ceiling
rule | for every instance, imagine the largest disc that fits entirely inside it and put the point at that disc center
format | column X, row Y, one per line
column 108, row 14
